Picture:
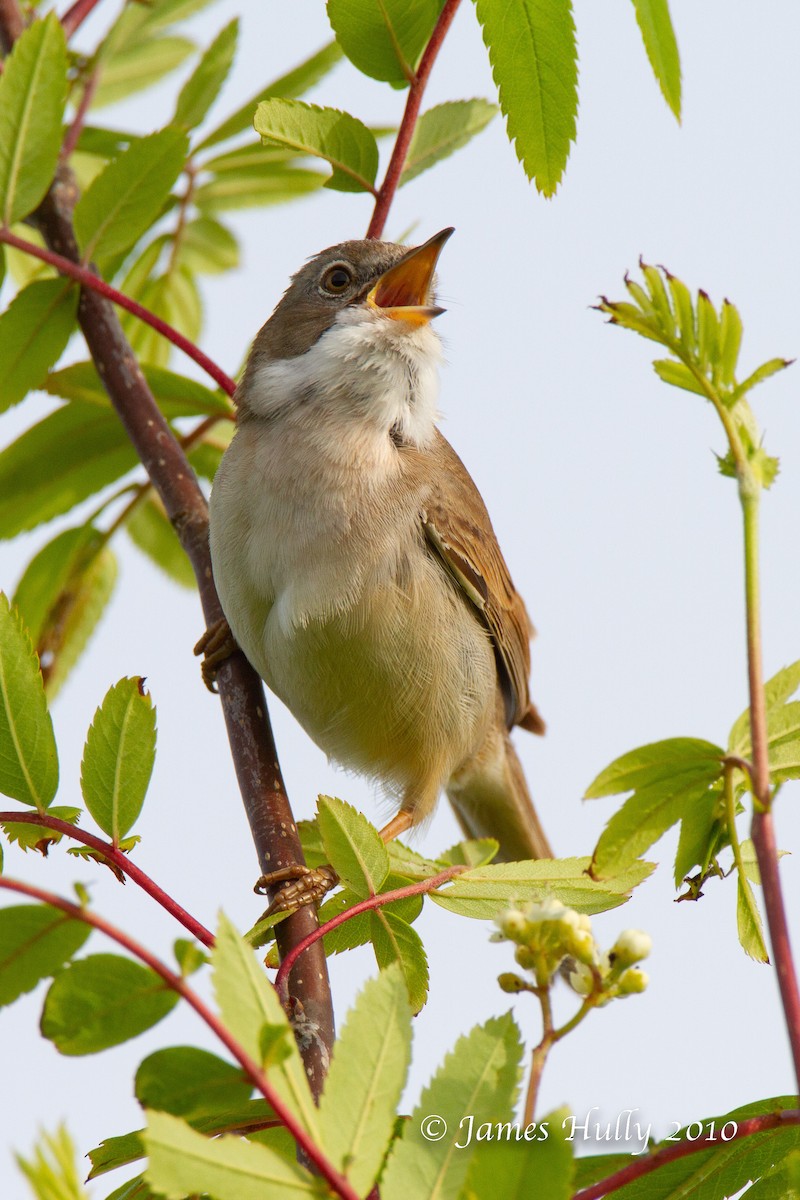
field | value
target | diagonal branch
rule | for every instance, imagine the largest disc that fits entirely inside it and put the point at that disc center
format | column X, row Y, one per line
column 386, row 192
column 252, row 744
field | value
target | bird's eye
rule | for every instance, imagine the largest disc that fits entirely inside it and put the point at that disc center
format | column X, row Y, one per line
column 337, row 279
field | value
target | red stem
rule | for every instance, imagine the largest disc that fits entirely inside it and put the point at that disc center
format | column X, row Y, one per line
column 259, row 1079
column 88, row 278
column 121, row 862
column 667, row 1154
column 74, row 17
column 763, row 834
column 406, row 131
column 74, row 131
column 412, row 889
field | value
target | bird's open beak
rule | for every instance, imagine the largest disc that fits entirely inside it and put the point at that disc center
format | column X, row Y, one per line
column 403, row 292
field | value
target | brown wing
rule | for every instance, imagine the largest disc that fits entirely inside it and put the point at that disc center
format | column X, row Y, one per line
column 459, row 530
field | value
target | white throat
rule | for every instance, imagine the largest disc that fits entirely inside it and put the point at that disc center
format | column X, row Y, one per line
column 367, row 370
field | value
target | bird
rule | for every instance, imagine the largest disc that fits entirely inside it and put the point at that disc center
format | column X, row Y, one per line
column 354, row 557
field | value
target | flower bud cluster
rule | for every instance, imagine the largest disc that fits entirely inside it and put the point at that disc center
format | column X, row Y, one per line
column 547, row 934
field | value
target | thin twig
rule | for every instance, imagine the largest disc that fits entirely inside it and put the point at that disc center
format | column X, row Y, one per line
column 666, row 1154
column 75, row 16
column 373, row 902
column 87, row 277
column 386, row 192
column 174, row 981
column 121, row 862
column 74, row 132
column 539, row 1053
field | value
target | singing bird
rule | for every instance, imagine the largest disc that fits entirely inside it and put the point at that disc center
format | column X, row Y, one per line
column 354, row 557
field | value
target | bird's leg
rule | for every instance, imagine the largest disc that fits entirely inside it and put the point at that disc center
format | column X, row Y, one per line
column 216, row 644
column 308, row 885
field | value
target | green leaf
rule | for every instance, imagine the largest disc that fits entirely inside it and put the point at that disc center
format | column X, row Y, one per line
column 478, row 1079
column 34, row 331
column 326, row 133
column 475, row 852
column 33, row 91
column 656, row 763
column 248, row 1002
column 208, row 247
column 116, row 1152
column 703, row 833
column 394, row 941
column 783, row 726
column 730, row 325
column 678, row 375
column 189, row 1082
column 288, row 86
column 531, row 1160
column 37, row 837
column 748, row 922
column 57, row 463
column 722, row 1170
column 128, row 197
column 442, row 130
column 176, row 395
column 484, row 891
column 777, row 690
column 780, row 1183
column 252, row 189
column 202, row 87
column 354, row 848
column 366, row 1079
column 137, row 64
column 653, row 19
column 35, row 940
column 52, row 1172
column 384, row 38
column 229, row 1168
column 533, row 54
column 102, row 1001
column 175, row 298
column 189, row 956
column 150, row 530
column 118, row 757
column 759, row 375
column 28, row 756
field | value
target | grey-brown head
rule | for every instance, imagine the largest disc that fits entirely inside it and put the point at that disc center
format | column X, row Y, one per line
column 395, row 279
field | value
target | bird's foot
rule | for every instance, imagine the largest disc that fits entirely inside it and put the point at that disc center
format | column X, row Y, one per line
column 216, row 644
column 302, row 885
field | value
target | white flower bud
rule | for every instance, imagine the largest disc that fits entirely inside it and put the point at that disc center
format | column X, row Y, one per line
column 633, row 980
column 631, row 947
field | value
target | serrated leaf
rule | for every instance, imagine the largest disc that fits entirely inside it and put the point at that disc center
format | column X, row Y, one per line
column 758, row 376
column 484, row 891
column 202, row 87
column 477, row 1079
column 748, row 922
column 534, row 64
column 34, row 331
column 38, row 837
column 703, row 833
column 125, row 200
column 353, row 846
column 442, row 130
column 118, row 757
column 783, row 726
column 176, row 395
column 657, row 763
column 730, row 326
column 208, row 247
column 189, row 1082
column 533, row 1160
column 230, row 1168
column 653, row 19
column 35, row 940
column 339, row 139
column 366, row 1078
column 28, row 756
column 474, row 852
column 707, row 331
column 33, row 92
column 150, row 530
column 384, row 38
column 101, row 1001
column 287, row 86
column 247, row 1002
column 252, row 189
column 678, row 375
column 116, row 1152
column 57, row 463
column 138, row 63
column 394, row 941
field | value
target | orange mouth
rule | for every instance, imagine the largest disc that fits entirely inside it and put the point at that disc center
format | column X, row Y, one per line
column 403, row 292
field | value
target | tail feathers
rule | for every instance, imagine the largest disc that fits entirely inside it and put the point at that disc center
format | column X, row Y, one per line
column 490, row 798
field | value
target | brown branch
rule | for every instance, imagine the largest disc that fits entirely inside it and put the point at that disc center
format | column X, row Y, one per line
column 75, row 15
column 241, row 692
column 372, row 902
column 120, row 862
column 667, row 1154
column 87, row 277
column 386, row 192
column 176, row 982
